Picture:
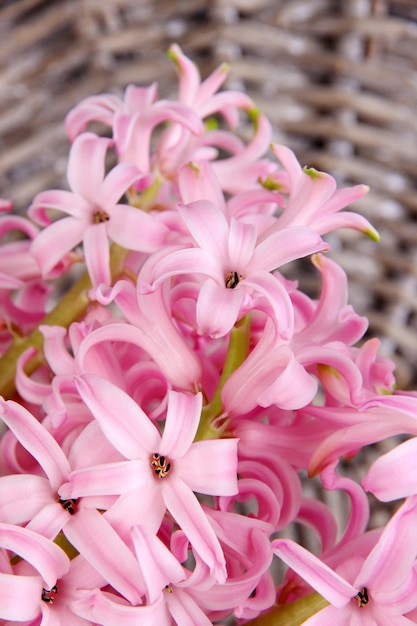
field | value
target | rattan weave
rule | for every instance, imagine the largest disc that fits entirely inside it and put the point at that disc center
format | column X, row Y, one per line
column 338, row 79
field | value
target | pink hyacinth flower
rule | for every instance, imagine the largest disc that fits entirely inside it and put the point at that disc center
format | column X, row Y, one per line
column 315, row 201
column 161, row 471
column 236, row 266
column 94, row 215
column 25, row 597
column 382, row 588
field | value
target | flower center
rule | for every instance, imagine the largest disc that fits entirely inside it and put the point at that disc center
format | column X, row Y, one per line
column 232, row 280
column 362, row 597
column 48, row 595
column 69, row 505
column 160, row 465
column 100, row 216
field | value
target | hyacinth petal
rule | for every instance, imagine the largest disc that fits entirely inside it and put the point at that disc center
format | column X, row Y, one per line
column 20, row 597
column 157, row 336
column 108, row 479
column 88, row 531
column 55, row 199
column 284, row 393
column 140, row 98
column 400, row 465
column 97, row 254
column 9, row 283
column 330, row 585
column 22, row 496
column 345, row 219
column 290, row 163
column 99, row 608
column 257, row 373
column 185, row 611
column 85, row 171
column 359, row 503
column 45, row 556
column 270, row 295
column 184, row 261
column 343, row 197
column 160, row 567
column 237, row 589
column 207, row 225
column 188, row 74
column 52, row 243
column 393, row 556
column 50, row 520
column 218, row 308
column 211, row 84
column 353, row 438
column 242, row 240
column 55, row 349
column 210, row 467
column 136, row 230
column 286, row 245
column 187, row 511
column 182, row 419
column 94, row 108
column 36, row 440
column 122, row 421
column 197, row 181
column 116, row 183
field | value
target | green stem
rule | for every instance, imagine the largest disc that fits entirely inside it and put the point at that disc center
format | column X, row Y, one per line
column 71, row 308
column 292, row 614
column 237, row 351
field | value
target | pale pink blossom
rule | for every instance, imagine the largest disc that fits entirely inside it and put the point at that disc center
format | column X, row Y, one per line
column 236, row 267
column 382, row 587
column 25, row 586
column 162, row 471
column 315, row 201
column 94, row 215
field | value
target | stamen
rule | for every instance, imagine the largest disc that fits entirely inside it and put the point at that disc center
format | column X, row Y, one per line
column 69, row 505
column 100, row 216
column 232, row 280
column 160, row 465
column 362, row 597
column 48, row 595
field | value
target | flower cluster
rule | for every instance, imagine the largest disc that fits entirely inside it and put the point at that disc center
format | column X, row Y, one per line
column 160, row 417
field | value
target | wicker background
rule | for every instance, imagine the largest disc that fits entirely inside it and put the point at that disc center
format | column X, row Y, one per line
column 338, row 79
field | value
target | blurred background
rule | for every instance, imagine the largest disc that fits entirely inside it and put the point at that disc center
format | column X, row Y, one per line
column 337, row 78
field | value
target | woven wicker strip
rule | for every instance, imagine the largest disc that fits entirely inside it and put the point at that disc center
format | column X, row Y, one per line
column 337, row 79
